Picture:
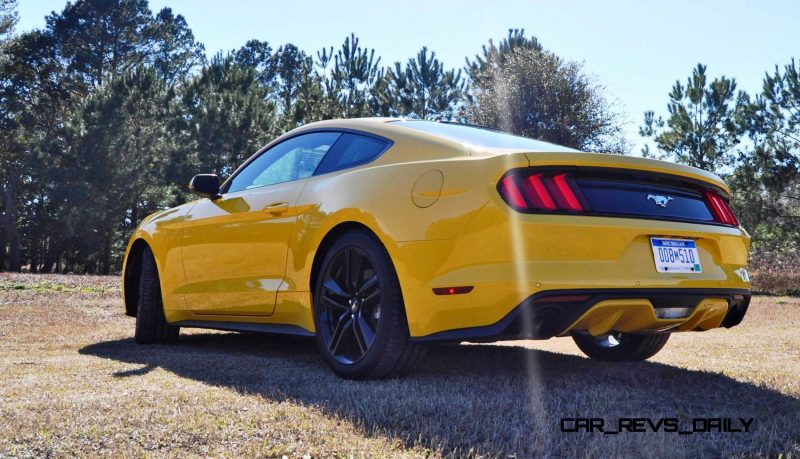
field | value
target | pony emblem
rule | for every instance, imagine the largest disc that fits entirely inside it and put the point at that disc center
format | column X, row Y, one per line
column 660, row 201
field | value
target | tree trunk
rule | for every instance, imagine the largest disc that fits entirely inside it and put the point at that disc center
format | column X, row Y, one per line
column 134, row 214
column 2, row 251
column 15, row 251
column 69, row 264
column 33, row 255
column 106, row 268
column 87, row 256
column 8, row 220
column 49, row 257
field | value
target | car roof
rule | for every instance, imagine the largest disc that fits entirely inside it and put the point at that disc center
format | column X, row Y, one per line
column 486, row 140
column 440, row 134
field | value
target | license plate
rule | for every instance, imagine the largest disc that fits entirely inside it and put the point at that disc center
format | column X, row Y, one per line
column 675, row 255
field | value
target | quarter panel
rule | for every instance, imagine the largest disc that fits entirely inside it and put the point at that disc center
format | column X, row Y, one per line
column 380, row 198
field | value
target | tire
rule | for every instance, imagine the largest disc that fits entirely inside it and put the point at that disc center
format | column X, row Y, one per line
column 628, row 347
column 359, row 314
column 151, row 325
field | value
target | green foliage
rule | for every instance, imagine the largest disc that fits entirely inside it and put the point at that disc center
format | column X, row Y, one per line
column 226, row 117
column 703, row 125
column 8, row 19
column 121, row 141
column 755, row 144
column 107, row 113
column 353, row 74
column 175, row 53
column 294, row 85
column 423, row 88
column 767, row 176
column 31, row 101
column 535, row 93
column 98, row 38
column 494, row 56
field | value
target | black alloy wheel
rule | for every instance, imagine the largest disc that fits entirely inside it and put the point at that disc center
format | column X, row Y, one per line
column 359, row 314
column 350, row 305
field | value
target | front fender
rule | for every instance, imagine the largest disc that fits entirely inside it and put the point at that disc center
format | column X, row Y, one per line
column 162, row 233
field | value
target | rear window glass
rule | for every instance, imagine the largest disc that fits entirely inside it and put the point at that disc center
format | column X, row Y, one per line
column 351, row 150
column 481, row 137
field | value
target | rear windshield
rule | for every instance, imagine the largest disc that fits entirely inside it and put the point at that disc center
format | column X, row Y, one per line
column 481, row 137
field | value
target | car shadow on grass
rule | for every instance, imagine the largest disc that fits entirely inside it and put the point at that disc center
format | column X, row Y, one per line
column 486, row 400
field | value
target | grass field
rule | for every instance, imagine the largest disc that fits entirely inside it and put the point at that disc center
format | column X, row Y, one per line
column 74, row 383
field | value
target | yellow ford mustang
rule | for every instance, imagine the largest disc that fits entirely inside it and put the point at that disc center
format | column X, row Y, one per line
column 381, row 235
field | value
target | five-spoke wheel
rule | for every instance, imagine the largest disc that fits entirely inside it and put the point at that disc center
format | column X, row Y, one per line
column 359, row 314
column 350, row 305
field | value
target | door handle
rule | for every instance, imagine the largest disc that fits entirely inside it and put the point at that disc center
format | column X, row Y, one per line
column 277, row 208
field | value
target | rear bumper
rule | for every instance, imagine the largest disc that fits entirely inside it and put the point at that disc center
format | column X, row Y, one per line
column 598, row 311
column 508, row 257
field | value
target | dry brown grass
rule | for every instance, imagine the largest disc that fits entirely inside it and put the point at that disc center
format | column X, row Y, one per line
column 74, row 383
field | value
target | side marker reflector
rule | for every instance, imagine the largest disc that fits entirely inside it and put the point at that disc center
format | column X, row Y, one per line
column 453, row 290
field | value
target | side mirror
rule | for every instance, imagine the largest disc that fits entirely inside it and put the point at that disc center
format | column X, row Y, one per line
column 206, row 185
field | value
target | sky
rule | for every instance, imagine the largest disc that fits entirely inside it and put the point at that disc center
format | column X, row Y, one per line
column 636, row 50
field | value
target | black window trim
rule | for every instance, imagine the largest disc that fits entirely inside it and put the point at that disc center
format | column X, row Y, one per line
column 389, row 143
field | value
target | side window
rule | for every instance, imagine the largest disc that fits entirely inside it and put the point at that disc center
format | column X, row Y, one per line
column 293, row 159
column 352, row 150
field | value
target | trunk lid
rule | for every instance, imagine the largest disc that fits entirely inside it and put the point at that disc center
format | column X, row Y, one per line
column 600, row 160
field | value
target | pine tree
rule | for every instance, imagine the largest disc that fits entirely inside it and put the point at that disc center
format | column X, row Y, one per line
column 175, row 52
column 227, row 117
column 766, row 180
column 493, row 56
column 423, row 88
column 31, row 104
column 702, row 128
column 120, row 136
column 97, row 38
column 8, row 20
column 292, row 70
column 355, row 70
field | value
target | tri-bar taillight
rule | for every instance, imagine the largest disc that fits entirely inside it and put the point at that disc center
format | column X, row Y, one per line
column 721, row 209
column 615, row 193
column 539, row 191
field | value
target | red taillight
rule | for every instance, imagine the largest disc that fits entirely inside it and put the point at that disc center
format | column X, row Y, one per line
column 565, row 190
column 721, row 209
column 511, row 193
column 538, row 193
column 542, row 192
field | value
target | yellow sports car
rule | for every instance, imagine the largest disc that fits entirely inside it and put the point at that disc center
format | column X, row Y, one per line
column 378, row 236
